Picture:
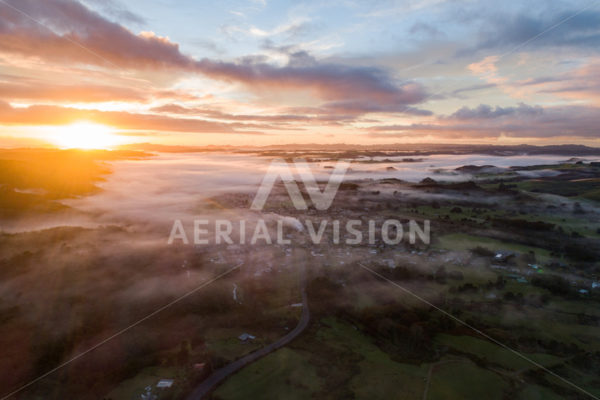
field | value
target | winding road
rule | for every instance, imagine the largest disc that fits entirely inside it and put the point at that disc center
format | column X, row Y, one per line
column 218, row 376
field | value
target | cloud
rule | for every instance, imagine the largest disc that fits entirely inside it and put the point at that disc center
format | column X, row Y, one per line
column 82, row 36
column 346, row 89
column 371, row 85
column 69, row 93
column 292, row 87
column 357, row 107
column 488, row 70
column 572, row 28
column 209, row 45
column 21, row 88
column 206, row 112
column 472, row 88
column 523, row 121
column 583, row 83
column 484, row 112
column 292, row 29
column 69, row 32
column 57, row 115
column 425, row 29
column 117, row 10
column 292, row 115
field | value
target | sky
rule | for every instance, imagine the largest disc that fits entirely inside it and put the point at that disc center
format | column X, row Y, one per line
column 260, row 72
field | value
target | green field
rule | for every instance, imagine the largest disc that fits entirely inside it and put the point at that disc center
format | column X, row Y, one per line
column 584, row 188
column 535, row 392
column 464, row 380
column 378, row 375
column 284, row 374
column 464, row 242
column 568, row 223
column 134, row 387
column 494, row 354
column 225, row 343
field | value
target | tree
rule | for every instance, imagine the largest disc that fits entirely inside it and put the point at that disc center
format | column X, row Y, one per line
column 185, row 351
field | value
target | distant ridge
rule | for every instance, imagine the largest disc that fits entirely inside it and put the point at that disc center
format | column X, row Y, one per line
column 413, row 149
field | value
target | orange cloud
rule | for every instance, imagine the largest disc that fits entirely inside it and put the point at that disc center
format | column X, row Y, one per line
column 69, row 93
column 56, row 115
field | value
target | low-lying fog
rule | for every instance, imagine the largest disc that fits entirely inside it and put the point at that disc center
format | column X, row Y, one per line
column 168, row 186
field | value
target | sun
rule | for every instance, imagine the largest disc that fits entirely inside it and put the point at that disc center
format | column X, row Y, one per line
column 85, row 135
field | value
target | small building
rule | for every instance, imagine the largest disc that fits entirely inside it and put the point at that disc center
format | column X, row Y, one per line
column 503, row 256
column 583, row 291
column 199, row 366
column 244, row 337
column 165, row 383
column 148, row 395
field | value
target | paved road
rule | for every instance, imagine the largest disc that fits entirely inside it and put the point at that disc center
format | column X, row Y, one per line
column 207, row 385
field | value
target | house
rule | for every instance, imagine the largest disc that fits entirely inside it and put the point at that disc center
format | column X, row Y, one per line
column 199, row 366
column 147, row 395
column 244, row 337
column 218, row 259
column 503, row 256
column 165, row 383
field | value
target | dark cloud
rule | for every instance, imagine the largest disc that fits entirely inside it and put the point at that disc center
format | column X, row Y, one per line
column 424, row 29
column 571, row 28
column 369, row 85
column 472, row 88
column 492, row 122
column 485, row 111
column 358, row 107
column 540, row 80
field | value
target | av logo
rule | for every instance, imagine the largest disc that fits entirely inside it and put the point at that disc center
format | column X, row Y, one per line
column 279, row 168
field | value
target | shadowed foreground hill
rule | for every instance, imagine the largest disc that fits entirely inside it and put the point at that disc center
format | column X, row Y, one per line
column 32, row 179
